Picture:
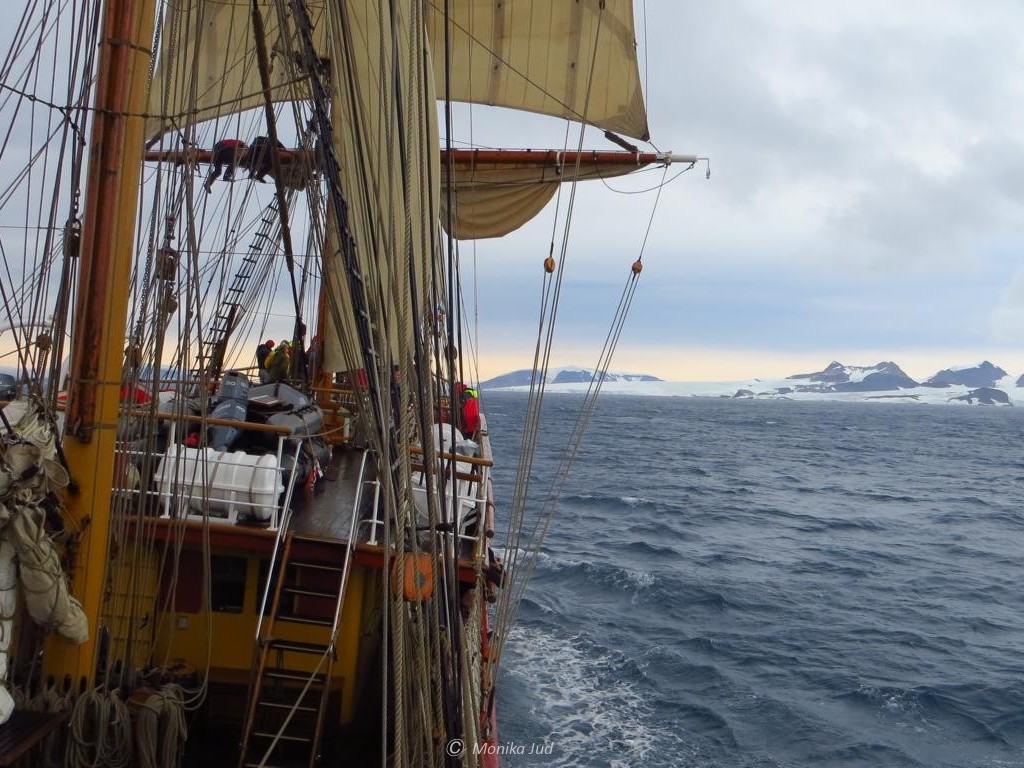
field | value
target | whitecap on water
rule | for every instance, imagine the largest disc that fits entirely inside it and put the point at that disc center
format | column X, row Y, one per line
column 591, row 701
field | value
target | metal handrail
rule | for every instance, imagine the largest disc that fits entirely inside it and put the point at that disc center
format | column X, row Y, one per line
column 282, row 530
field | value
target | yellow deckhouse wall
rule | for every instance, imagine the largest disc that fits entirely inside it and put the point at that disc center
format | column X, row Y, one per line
column 220, row 639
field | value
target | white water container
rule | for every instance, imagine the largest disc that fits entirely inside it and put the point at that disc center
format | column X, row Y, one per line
column 232, row 482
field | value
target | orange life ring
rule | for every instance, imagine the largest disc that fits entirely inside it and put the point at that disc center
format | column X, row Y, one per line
column 418, row 582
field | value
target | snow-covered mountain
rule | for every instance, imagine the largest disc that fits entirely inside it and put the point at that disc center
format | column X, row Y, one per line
column 566, row 375
column 837, row 377
column 983, row 374
column 884, row 382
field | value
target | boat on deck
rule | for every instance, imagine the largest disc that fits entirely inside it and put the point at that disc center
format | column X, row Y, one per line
column 205, row 560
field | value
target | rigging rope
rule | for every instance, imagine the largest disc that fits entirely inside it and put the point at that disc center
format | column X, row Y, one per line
column 529, row 552
column 551, row 292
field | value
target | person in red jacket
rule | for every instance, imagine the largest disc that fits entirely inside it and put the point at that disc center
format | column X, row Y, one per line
column 469, row 405
column 226, row 153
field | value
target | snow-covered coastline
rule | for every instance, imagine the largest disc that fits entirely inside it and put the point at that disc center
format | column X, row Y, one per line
column 980, row 384
column 769, row 389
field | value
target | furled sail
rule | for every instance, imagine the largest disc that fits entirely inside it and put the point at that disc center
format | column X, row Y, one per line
column 29, row 473
column 575, row 60
column 496, row 192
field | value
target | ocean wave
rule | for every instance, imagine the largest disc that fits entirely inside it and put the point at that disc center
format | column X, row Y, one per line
column 588, row 573
column 615, row 507
column 865, row 753
column 647, row 548
column 603, row 499
column 962, row 710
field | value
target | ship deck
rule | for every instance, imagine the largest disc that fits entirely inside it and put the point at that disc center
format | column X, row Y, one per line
column 321, row 520
column 325, row 512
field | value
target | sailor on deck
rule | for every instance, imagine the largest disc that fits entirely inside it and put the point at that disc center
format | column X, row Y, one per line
column 468, row 400
column 262, row 353
column 279, row 362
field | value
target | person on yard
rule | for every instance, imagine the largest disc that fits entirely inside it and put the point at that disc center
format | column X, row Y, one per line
column 226, row 154
column 259, row 162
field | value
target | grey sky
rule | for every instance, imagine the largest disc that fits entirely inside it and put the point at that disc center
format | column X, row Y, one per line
column 866, row 196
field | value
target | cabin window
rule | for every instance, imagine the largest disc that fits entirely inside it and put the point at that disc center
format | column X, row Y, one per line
column 227, row 587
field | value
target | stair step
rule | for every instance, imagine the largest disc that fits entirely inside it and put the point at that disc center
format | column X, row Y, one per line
column 297, row 619
column 307, row 592
column 316, row 566
column 279, row 673
column 282, row 737
column 289, row 707
column 298, row 647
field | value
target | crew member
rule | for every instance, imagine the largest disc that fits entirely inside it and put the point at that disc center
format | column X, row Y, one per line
column 259, row 160
column 279, row 362
column 226, row 153
column 469, row 405
column 262, row 353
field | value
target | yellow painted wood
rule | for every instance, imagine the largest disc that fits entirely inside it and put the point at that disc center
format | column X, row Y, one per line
column 182, row 636
column 91, row 464
column 129, row 609
column 349, row 637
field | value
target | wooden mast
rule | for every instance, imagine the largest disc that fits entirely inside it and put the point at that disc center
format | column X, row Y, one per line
column 107, row 247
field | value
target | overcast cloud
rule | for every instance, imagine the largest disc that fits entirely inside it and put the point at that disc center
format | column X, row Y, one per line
column 866, row 197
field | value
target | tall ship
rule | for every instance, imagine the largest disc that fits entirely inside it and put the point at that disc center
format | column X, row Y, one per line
column 246, row 509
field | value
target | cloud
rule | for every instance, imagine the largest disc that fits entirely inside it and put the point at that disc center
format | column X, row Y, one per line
column 878, row 111
column 1007, row 319
column 865, row 189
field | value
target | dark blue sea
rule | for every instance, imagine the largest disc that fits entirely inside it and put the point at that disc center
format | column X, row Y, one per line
column 766, row 584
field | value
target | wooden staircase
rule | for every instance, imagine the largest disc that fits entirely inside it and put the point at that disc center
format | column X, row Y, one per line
column 290, row 686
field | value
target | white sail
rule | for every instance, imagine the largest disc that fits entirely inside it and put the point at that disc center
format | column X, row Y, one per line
column 575, row 60
column 208, row 65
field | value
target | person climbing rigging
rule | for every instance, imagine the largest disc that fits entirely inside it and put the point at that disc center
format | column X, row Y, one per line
column 226, row 153
column 259, row 160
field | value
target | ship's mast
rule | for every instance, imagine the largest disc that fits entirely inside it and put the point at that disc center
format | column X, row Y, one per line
column 107, row 246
